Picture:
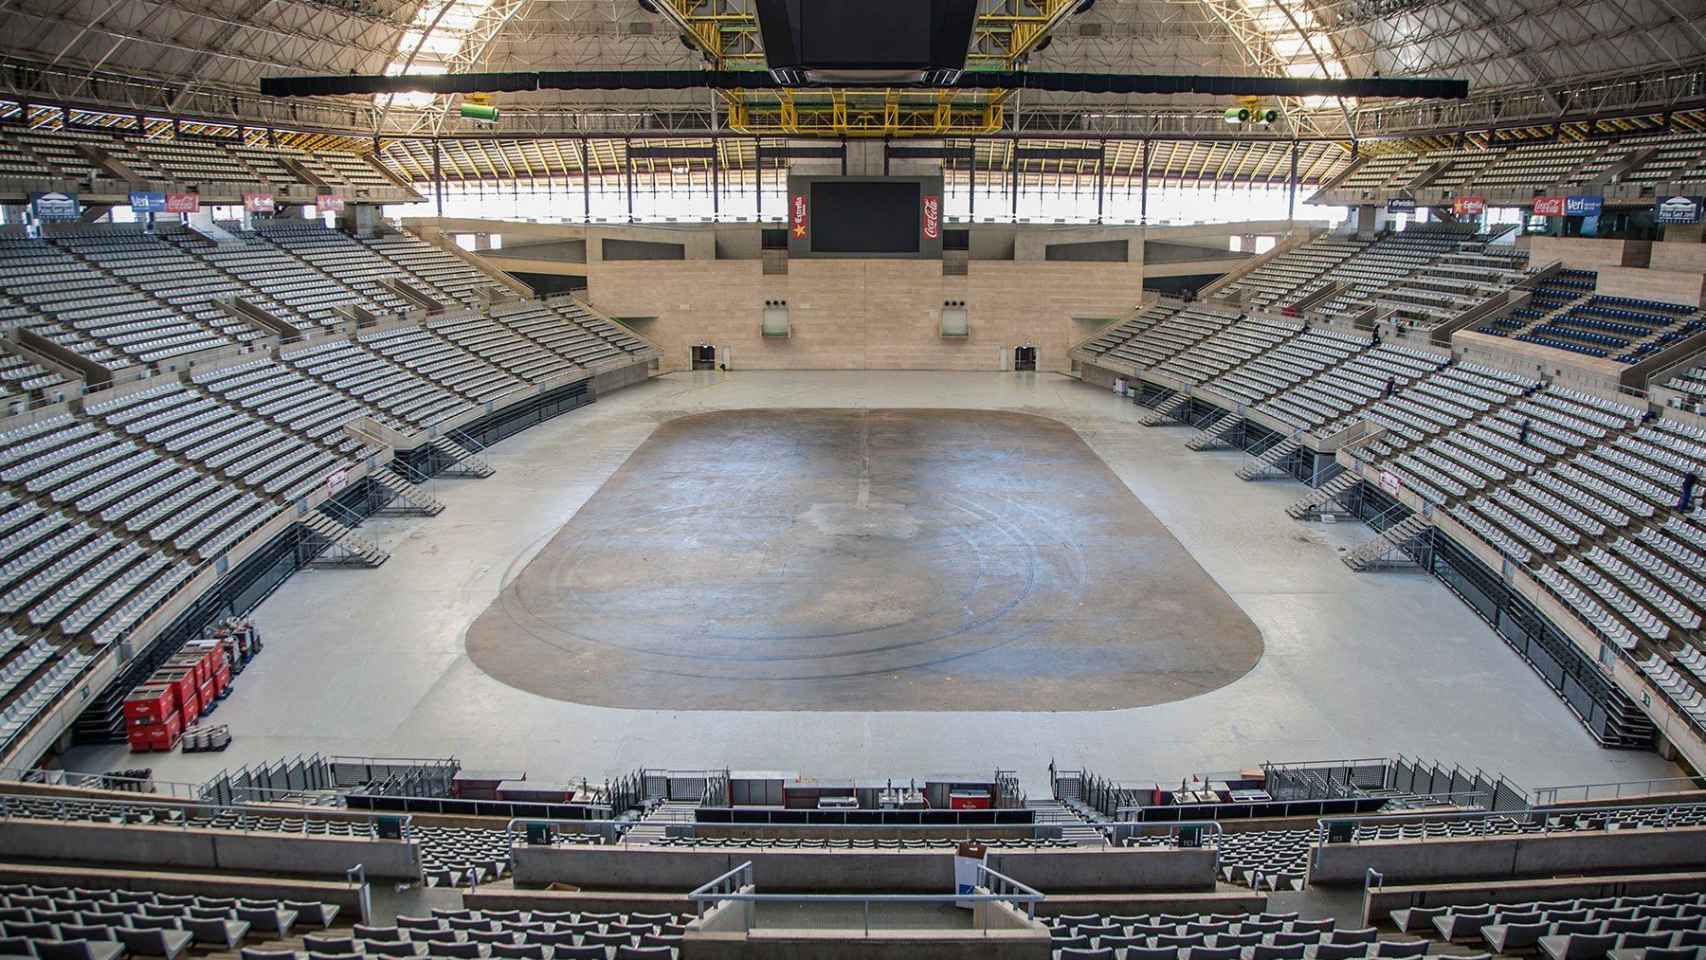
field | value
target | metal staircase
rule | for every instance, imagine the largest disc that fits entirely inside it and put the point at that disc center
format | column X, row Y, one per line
column 1311, row 506
column 1267, row 461
column 1074, row 828
column 1393, row 547
column 654, row 826
column 1217, row 434
column 1167, row 413
column 342, row 546
column 406, row 497
column 463, row 461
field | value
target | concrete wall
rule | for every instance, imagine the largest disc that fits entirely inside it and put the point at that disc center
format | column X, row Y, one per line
column 172, row 847
column 866, row 314
column 1682, row 257
column 784, row 944
column 1589, row 253
column 1671, row 286
column 1239, row 901
column 594, row 901
column 875, row 871
column 1520, row 855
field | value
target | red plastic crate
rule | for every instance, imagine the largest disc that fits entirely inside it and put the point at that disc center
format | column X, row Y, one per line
column 149, row 703
column 164, row 736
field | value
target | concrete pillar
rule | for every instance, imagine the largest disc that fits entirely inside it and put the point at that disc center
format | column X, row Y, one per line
column 1368, row 220
column 359, row 220
column 482, row 241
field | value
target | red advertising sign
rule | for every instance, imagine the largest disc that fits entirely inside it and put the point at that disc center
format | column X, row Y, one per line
column 797, row 210
column 329, row 203
column 182, row 203
column 1469, row 205
column 1549, row 206
column 258, row 202
column 932, row 216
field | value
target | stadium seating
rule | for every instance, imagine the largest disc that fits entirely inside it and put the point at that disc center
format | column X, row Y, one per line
column 60, row 154
column 96, row 923
column 123, row 500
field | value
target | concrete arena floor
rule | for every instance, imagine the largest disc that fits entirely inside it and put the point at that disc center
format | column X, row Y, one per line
column 812, row 559
column 374, row 662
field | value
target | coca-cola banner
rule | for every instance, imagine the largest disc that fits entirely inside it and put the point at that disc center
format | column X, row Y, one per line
column 182, row 203
column 932, row 216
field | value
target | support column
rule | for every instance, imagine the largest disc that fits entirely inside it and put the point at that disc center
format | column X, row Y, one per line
column 628, row 175
column 437, row 180
column 586, row 182
column 1101, row 165
column 758, row 176
column 716, row 203
column 1013, row 181
column 1291, row 187
column 1143, row 188
column 971, row 182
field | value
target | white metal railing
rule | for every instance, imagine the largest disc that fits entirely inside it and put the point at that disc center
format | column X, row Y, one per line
column 1581, row 792
column 733, row 887
column 142, row 786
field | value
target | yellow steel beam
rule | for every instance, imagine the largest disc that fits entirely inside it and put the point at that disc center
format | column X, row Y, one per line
column 1008, row 37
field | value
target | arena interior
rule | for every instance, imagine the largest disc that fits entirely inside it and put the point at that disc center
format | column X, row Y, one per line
column 679, row 479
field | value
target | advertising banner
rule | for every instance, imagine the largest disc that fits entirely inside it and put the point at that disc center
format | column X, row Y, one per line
column 258, row 202
column 1470, row 206
column 1549, row 206
column 182, row 202
column 797, row 214
column 1400, row 205
column 329, row 203
column 1583, row 206
column 147, row 202
column 932, row 216
column 1677, row 210
column 55, row 206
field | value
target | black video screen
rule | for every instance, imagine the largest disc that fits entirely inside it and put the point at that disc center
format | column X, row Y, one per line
column 865, row 216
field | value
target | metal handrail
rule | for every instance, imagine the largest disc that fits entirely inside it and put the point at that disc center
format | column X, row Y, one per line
column 357, row 875
column 1544, row 813
column 1551, row 793
column 1002, row 889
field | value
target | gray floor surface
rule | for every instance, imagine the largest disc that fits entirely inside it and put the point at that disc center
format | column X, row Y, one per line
column 812, row 559
column 374, row 662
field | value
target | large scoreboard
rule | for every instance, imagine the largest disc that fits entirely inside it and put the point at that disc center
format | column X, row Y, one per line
column 896, row 217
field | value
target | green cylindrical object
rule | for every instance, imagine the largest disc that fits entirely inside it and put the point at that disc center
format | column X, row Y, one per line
column 479, row 111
